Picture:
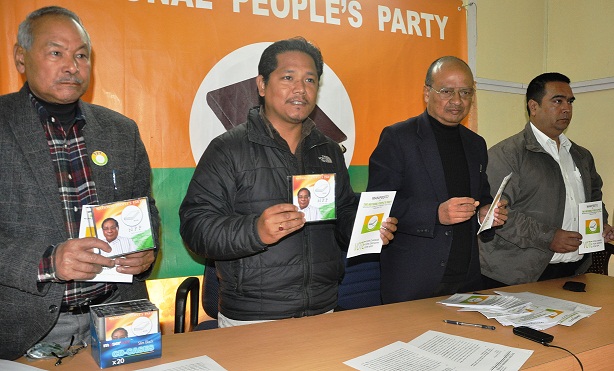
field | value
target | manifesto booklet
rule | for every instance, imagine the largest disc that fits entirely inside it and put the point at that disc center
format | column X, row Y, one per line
column 124, row 225
column 590, row 218
column 314, row 194
column 373, row 209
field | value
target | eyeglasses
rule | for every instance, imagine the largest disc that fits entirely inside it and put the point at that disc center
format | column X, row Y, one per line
column 448, row 93
column 69, row 352
column 109, row 228
column 54, row 350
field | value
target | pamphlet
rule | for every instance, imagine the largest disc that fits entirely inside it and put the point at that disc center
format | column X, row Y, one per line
column 314, row 194
column 373, row 209
column 538, row 312
column 490, row 215
column 590, row 218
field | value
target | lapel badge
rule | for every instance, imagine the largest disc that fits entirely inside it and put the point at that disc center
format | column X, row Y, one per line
column 99, row 158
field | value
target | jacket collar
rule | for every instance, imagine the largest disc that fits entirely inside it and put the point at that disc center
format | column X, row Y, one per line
column 258, row 132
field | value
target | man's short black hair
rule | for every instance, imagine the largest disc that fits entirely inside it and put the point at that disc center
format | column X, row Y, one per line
column 114, row 221
column 537, row 87
column 268, row 60
column 304, row 189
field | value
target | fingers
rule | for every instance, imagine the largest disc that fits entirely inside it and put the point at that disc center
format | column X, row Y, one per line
column 75, row 259
column 387, row 230
column 500, row 215
column 608, row 233
column 278, row 221
column 457, row 210
column 565, row 241
column 135, row 263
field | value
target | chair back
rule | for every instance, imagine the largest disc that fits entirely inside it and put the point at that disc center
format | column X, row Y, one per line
column 360, row 286
column 189, row 286
column 601, row 259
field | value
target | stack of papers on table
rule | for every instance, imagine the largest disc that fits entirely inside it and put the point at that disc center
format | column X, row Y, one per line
column 522, row 309
column 438, row 351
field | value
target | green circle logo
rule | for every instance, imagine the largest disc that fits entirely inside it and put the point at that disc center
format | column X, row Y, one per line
column 99, row 158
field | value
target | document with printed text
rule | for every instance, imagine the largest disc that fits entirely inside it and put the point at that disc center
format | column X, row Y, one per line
column 439, row 351
column 590, row 217
column 373, row 209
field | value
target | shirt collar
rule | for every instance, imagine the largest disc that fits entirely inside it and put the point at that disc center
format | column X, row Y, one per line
column 546, row 141
column 308, row 125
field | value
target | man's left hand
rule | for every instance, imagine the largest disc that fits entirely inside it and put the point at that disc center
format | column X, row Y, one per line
column 608, row 233
column 387, row 230
column 499, row 216
column 135, row 263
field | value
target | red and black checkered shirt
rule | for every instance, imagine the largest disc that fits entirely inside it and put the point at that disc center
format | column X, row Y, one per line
column 75, row 189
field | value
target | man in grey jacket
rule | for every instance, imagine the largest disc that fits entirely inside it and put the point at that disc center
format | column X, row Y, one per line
column 551, row 177
column 57, row 154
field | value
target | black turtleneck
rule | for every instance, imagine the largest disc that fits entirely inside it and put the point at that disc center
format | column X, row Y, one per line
column 66, row 113
column 456, row 171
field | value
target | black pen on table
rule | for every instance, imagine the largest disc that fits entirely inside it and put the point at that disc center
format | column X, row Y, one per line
column 487, row 327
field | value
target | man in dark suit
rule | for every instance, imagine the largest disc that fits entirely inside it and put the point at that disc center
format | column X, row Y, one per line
column 57, row 154
column 438, row 168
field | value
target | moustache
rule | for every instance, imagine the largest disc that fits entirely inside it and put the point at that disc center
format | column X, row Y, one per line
column 70, row 80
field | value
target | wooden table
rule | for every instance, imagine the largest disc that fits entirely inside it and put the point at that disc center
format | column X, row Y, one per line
column 324, row 342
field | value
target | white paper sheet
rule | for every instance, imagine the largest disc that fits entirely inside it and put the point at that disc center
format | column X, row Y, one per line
column 590, row 226
column 490, row 215
column 16, row 366
column 439, row 351
column 373, row 209
column 202, row 363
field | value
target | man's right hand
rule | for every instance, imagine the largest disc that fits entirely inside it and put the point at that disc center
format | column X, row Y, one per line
column 457, row 210
column 565, row 241
column 75, row 259
column 279, row 221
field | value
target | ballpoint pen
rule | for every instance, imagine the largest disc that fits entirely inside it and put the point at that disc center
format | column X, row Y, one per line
column 487, row 327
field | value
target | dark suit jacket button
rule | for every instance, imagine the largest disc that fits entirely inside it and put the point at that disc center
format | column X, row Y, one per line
column 442, row 263
column 53, row 308
column 448, row 233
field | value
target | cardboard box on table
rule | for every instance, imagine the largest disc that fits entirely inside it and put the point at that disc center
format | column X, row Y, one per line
column 138, row 319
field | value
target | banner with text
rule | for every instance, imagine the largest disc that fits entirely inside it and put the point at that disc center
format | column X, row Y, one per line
column 170, row 64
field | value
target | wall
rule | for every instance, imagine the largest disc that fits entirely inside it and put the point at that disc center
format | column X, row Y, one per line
column 517, row 40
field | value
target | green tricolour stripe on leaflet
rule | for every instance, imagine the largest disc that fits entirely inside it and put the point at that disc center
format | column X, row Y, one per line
column 169, row 188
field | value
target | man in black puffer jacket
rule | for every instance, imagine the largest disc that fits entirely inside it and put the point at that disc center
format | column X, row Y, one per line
column 271, row 265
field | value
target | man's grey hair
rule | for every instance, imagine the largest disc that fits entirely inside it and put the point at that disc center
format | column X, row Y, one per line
column 25, row 37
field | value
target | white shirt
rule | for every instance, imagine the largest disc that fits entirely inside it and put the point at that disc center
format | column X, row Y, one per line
column 120, row 246
column 311, row 213
column 574, row 187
